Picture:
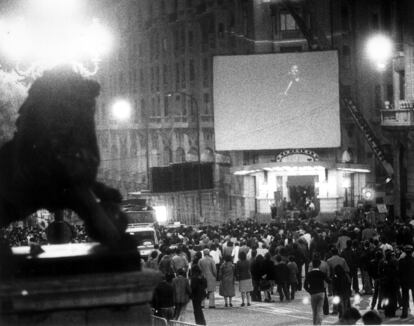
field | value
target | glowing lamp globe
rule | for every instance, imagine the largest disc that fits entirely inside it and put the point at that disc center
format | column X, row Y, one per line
column 380, row 50
column 121, row 110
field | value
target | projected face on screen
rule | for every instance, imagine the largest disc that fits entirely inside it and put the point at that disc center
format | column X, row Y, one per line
column 294, row 78
column 276, row 101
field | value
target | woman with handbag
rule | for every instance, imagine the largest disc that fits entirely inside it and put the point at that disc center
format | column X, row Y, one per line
column 226, row 288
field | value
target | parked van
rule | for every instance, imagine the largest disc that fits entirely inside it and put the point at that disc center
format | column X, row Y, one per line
column 146, row 237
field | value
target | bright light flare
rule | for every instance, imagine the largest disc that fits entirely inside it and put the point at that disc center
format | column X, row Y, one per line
column 160, row 214
column 380, row 50
column 14, row 38
column 305, row 300
column 336, row 300
column 43, row 42
column 96, row 40
column 57, row 8
column 121, row 110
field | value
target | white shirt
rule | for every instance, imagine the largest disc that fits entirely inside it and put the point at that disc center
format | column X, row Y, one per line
column 216, row 255
column 235, row 254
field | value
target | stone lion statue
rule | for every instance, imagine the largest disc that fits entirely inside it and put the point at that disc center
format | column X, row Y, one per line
column 52, row 160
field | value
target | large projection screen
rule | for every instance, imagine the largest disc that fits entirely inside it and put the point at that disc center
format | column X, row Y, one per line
column 276, row 101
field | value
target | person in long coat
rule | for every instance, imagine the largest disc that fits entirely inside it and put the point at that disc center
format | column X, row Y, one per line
column 182, row 292
column 269, row 276
column 198, row 291
column 226, row 288
column 342, row 288
column 208, row 269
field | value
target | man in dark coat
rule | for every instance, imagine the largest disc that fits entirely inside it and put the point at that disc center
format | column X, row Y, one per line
column 350, row 254
column 256, row 269
column 198, row 293
column 406, row 275
column 163, row 298
column 282, row 278
column 388, row 273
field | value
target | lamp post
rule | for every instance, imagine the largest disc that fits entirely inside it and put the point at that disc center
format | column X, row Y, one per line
column 194, row 100
column 381, row 51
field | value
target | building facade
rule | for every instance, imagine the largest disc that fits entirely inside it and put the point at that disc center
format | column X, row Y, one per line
column 163, row 66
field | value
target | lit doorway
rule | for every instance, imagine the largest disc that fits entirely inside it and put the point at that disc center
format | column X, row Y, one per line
column 301, row 190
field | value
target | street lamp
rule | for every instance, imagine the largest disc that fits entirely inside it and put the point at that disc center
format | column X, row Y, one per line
column 121, row 110
column 194, row 100
column 380, row 50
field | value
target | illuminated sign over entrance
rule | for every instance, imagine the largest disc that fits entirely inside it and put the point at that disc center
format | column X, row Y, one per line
column 297, row 155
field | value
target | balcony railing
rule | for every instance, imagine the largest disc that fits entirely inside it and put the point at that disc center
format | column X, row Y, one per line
column 397, row 118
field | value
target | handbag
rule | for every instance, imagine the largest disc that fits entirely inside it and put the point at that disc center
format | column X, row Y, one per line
column 264, row 284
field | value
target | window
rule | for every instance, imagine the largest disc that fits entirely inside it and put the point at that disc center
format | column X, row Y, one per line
column 190, row 39
column 345, row 17
column 182, row 36
column 135, row 80
column 390, row 93
column 206, row 99
column 183, row 81
column 137, row 117
column 287, row 22
column 162, row 7
column 152, row 79
column 177, row 76
column 153, row 110
column 375, row 21
column 143, row 109
column 156, row 45
column 157, row 78
column 158, row 106
column 176, row 39
column 178, row 107
column 192, row 71
column 346, row 55
column 221, row 31
column 206, row 74
column 165, row 75
column 245, row 21
column 166, row 106
column 377, row 94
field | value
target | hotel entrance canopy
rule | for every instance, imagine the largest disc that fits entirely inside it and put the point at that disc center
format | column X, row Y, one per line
column 298, row 168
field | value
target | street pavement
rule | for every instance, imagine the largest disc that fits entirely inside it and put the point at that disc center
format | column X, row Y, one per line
column 280, row 313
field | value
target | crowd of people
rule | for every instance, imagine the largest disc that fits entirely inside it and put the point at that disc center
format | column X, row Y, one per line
column 343, row 258
column 271, row 262
column 25, row 235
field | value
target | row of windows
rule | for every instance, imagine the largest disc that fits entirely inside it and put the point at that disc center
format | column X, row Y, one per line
column 171, row 77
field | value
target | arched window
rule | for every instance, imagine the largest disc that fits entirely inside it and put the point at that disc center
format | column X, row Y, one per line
column 192, row 155
column 179, row 155
column 167, row 156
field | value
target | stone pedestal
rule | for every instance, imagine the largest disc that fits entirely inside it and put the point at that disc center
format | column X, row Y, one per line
column 83, row 296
